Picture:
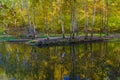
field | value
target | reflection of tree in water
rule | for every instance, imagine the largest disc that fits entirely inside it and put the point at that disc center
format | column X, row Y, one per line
column 92, row 61
column 73, row 74
column 50, row 67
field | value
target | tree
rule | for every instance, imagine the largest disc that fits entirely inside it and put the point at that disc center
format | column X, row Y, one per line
column 101, row 17
column 34, row 23
column 68, row 14
column 45, row 11
column 31, row 31
column 53, row 20
column 14, row 13
column 61, row 18
column 93, row 19
column 20, row 2
column 86, row 20
column 73, row 23
column 106, row 28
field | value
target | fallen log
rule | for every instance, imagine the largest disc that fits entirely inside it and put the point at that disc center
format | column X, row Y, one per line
column 66, row 41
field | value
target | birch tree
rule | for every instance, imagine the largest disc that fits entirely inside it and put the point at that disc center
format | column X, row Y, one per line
column 61, row 18
column 20, row 2
column 86, row 20
column 34, row 20
column 31, row 32
column 101, row 17
column 106, row 28
column 53, row 20
column 93, row 18
column 45, row 11
column 72, row 29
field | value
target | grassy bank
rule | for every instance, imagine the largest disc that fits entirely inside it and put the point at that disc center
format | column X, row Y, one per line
column 11, row 37
column 58, row 35
column 7, row 37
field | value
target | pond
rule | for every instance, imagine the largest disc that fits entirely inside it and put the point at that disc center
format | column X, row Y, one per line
column 87, row 61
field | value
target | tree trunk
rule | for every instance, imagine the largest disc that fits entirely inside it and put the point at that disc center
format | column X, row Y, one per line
column 61, row 18
column 14, row 15
column 46, row 20
column 93, row 19
column 15, row 24
column 86, row 20
column 101, row 26
column 76, row 20
column 53, row 21
column 46, row 24
column 72, row 19
column 31, row 31
column 106, row 28
column 21, row 11
column 14, row 19
column 34, row 14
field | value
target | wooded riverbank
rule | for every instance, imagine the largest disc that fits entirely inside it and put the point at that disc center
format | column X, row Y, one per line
column 58, row 40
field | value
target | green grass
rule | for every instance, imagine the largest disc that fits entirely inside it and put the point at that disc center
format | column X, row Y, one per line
column 58, row 35
column 31, row 41
column 6, row 38
column 9, row 37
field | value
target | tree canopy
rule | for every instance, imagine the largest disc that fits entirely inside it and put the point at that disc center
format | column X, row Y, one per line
column 60, row 16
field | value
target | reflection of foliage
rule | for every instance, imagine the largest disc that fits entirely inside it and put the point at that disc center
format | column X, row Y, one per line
column 94, row 61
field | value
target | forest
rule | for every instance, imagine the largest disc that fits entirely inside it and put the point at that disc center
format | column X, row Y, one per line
column 54, row 17
column 59, row 39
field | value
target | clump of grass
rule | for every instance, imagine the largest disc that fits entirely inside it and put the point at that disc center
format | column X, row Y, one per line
column 32, row 41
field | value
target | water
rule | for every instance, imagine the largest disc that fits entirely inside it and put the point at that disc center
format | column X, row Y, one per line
column 90, row 61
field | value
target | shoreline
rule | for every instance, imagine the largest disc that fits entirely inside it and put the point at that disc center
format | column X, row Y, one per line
column 58, row 41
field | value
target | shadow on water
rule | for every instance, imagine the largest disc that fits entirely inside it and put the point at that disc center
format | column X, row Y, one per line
column 88, row 61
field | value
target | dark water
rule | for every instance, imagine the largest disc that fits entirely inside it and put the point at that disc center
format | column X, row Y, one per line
column 90, row 61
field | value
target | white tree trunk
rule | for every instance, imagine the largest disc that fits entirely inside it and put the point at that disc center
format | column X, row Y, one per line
column 53, row 21
column 31, row 31
column 106, row 28
column 61, row 18
column 20, row 2
column 73, row 22
column 34, row 14
column 46, row 20
column 93, row 19
column 86, row 20
column 101, row 26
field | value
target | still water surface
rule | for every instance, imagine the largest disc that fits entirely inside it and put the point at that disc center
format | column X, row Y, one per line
column 90, row 61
